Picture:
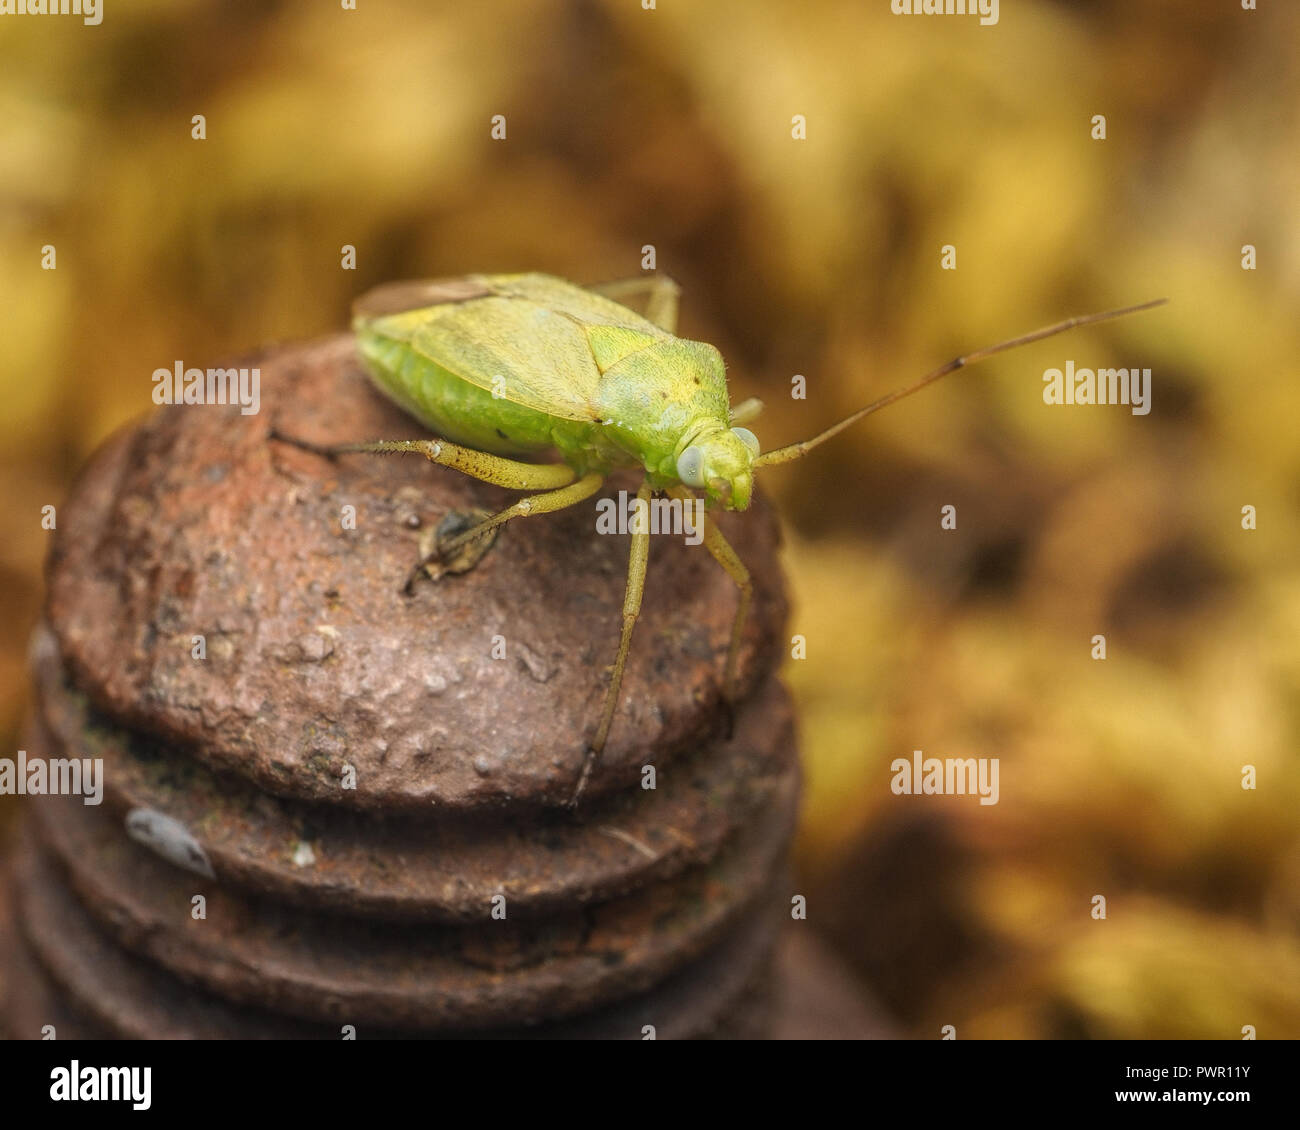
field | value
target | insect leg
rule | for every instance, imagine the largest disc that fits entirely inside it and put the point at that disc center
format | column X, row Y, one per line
column 659, row 291
column 631, row 609
column 725, row 556
column 509, row 473
column 546, row 503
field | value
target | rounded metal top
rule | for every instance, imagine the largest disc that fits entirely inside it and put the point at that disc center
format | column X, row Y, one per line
column 477, row 689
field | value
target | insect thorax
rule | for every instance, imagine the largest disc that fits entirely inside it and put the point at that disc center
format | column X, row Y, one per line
column 655, row 400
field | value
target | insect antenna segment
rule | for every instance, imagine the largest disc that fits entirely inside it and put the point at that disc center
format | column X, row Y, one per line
column 797, row 450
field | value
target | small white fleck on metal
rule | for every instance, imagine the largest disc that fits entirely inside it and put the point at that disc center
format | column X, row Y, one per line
column 303, row 856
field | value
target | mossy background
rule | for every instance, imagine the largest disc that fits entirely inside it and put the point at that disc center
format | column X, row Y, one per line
column 821, row 257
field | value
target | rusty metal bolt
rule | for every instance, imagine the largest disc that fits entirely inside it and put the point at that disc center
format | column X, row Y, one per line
column 329, row 802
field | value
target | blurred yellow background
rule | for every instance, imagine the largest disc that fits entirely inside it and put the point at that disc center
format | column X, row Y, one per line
column 821, row 257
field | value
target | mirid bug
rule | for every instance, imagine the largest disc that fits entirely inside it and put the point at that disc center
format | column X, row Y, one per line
column 506, row 368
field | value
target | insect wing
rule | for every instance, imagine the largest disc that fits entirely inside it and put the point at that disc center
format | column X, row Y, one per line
column 518, row 350
column 403, row 297
column 564, row 297
column 521, row 336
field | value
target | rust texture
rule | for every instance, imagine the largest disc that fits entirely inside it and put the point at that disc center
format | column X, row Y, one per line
column 201, row 524
column 325, row 905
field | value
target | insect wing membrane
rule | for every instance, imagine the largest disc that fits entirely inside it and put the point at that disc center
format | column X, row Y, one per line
column 522, row 352
column 402, row 297
column 565, row 298
column 518, row 336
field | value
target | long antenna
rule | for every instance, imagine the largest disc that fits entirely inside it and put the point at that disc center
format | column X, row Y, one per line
column 797, row 450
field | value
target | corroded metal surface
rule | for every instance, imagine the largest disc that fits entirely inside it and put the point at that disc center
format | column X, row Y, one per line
column 200, row 524
column 441, row 869
column 326, row 968
column 35, row 1003
column 94, row 988
column 449, row 893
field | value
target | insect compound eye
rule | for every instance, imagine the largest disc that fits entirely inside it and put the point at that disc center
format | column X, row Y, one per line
column 748, row 438
column 690, row 466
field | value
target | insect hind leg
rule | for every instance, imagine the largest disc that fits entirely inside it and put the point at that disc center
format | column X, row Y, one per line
column 658, row 292
column 496, row 469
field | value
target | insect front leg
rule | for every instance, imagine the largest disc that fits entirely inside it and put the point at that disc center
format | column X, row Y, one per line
column 546, row 503
column 555, row 480
column 660, row 294
column 725, row 556
column 636, row 567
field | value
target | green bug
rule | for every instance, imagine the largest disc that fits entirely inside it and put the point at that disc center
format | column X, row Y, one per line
column 507, row 366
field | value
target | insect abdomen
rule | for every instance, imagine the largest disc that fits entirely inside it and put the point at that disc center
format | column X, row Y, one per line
column 455, row 409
